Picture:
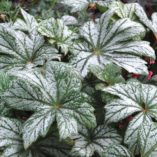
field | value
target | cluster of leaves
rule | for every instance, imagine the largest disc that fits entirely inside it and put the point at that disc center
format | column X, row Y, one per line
column 66, row 86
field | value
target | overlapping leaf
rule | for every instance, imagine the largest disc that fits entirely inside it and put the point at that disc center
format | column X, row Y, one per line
column 10, row 138
column 124, row 10
column 21, row 46
column 132, row 133
column 69, row 20
column 28, row 23
column 58, row 33
column 19, row 50
column 148, row 140
column 5, row 83
column 11, row 142
column 116, row 151
column 134, row 98
column 51, row 146
column 107, row 42
column 55, row 96
column 96, row 140
column 151, row 24
column 80, row 5
column 77, row 5
column 110, row 75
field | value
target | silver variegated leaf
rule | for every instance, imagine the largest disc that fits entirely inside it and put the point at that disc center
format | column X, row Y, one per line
column 10, row 130
column 69, row 20
column 103, row 5
column 134, row 98
column 97, row 140
column 19, row 50
column 6, row 24
column 116, row 151
column 76, row 5
column 10, row 138
column 150, row 23
column 132, row 133
column 148, row 140
column 11, row 142
column 58, row 33
column 38, row 125
column 54, row 96
column 114, row 43
column 28, row 23
column 124, row 10
column 80, row 5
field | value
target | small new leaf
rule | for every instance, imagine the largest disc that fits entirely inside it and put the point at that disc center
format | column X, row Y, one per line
column 58, row 33
column 124, row 10
column 110, row 74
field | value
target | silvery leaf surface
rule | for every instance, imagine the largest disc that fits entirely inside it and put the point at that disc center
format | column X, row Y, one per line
column 54, row 96
column 106, row 43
